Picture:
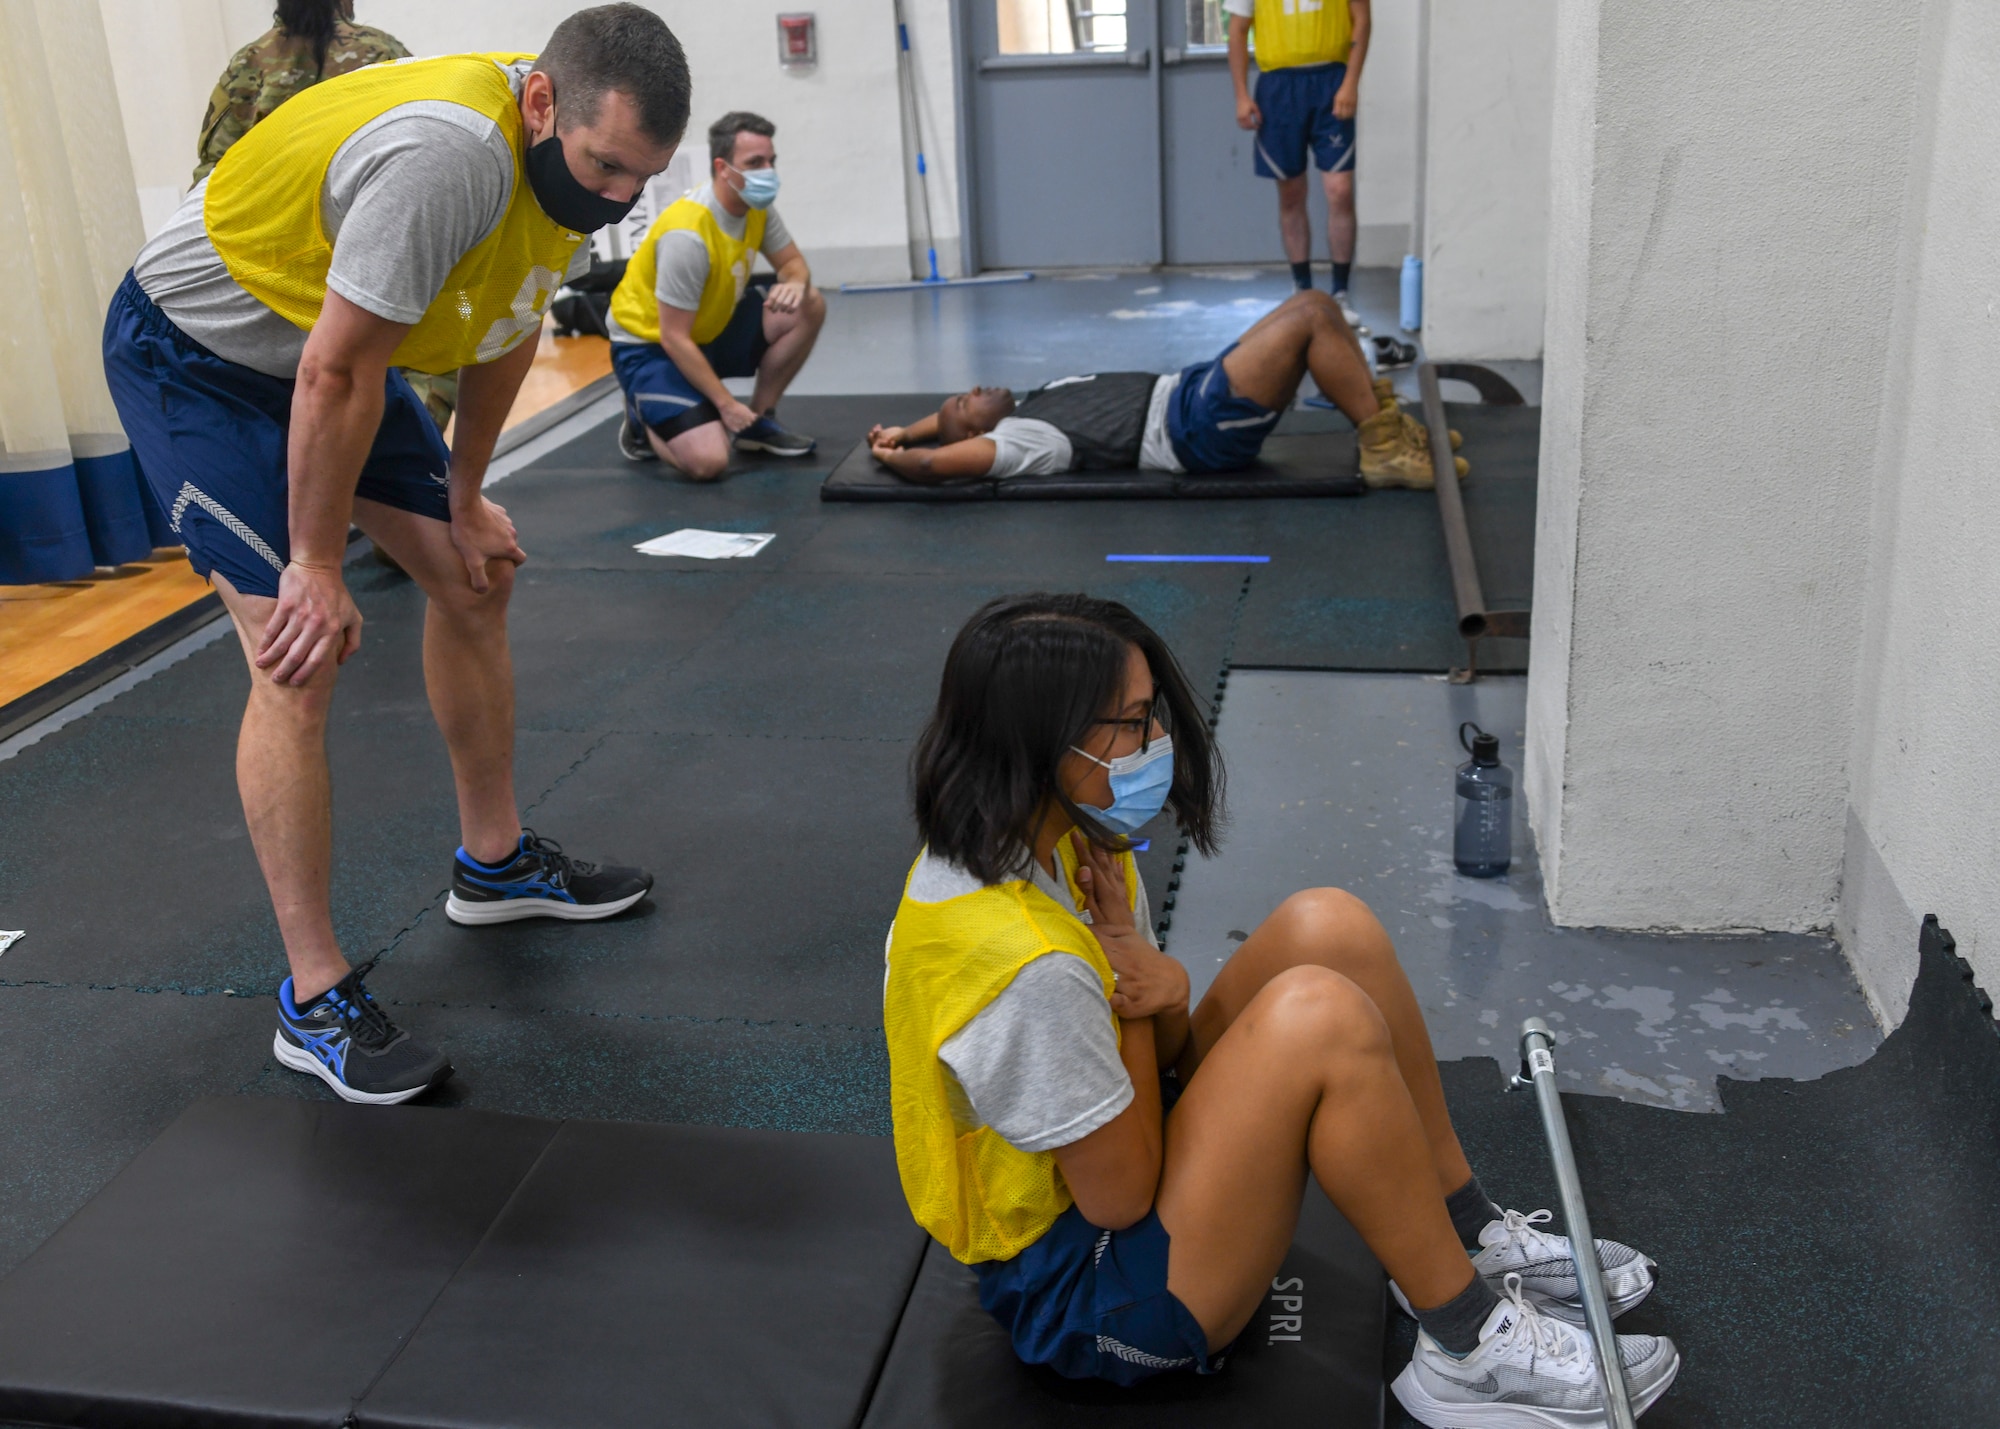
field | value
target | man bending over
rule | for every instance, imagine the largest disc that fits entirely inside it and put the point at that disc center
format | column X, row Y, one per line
column 411, row 215
column 688, row 314
column 1210, row 417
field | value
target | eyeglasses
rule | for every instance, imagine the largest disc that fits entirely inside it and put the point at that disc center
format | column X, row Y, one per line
column 1156, row 713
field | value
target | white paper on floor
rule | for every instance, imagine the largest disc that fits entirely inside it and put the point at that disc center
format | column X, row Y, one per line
column 7, row 939
column 706, row 545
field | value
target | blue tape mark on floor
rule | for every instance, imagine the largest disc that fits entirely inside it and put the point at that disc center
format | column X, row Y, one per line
column 1198, row 560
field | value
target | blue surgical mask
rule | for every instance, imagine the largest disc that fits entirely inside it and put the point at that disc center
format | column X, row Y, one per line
column 760, row 186
column 1139, row 785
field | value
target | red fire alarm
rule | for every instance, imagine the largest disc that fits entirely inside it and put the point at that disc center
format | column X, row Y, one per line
column 797, row 42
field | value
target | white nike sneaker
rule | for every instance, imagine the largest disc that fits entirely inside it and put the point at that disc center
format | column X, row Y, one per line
column 1529, row 1372
column 1516, row 1245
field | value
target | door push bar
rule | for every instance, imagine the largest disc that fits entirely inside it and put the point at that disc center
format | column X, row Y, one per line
column 1475, row 621
column 1539, row 1065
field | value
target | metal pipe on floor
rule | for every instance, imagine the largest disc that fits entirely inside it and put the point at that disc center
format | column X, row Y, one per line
column 1451, row 511
column 1536, row 1056
column 1475, row 621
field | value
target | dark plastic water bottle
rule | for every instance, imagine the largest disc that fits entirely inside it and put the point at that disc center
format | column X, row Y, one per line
column 1482, row 842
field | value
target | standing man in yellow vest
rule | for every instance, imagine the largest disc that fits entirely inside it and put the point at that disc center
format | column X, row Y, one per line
column 409, row 215
column 1309, row 56
column 688, row 314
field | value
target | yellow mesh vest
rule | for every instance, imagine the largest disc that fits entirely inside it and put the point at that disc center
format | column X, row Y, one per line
column 1285, row 33
column 981, row 1198
column 262, row 212
column 634, row 302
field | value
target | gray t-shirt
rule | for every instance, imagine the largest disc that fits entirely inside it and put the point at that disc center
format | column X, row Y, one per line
column 1024, row 446
column 408, row 195
column 1039, row 1064
column 680, row 259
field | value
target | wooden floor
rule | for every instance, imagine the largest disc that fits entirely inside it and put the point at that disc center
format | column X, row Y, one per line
column 48, row 630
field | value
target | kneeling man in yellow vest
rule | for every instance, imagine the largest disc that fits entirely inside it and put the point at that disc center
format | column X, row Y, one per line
column 416, row 215
column 688, row 314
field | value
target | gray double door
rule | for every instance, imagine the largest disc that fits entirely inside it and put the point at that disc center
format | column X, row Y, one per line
column 1103, row 132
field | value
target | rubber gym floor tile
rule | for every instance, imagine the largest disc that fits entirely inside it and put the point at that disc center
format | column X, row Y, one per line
column 629, row 1066
column 1381, row 596
column 579, row 639
column 92, row 1075
column 860, row 656
column 1061, row 545
column 644, row 1275
column 258, row 1264
column 129, row 862
column 591, row 518
column 779, row 864
column 1828, row 1251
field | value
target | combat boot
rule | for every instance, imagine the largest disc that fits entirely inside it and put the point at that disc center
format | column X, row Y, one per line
column 1396, row 451
column 1385, row 393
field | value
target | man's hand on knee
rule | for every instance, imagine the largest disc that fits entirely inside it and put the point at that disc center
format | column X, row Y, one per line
column 481, row 532
column 316, row 621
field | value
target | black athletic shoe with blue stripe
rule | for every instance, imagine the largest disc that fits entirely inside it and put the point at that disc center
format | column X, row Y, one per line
column 540, row 881
column 346, row 1040
column 766, row 435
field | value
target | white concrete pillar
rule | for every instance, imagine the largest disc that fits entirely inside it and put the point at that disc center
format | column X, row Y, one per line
column 1921, row 833
column 1489, row 102
column 1724, row 221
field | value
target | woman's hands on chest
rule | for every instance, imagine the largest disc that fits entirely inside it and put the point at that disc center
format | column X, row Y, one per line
column 1148, row 981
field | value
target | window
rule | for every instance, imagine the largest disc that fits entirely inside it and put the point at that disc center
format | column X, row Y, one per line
column 1061, row 27
column 1207, row 23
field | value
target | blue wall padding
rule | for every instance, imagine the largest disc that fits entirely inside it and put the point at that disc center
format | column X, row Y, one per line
column 112, row 510
column 158, row 531
column 42, row 531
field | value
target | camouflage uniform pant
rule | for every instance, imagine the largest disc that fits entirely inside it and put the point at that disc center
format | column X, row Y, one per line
column 438, row 393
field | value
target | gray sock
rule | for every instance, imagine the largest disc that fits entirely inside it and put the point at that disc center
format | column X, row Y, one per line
column 1471, row 1209
column 1455, row 1325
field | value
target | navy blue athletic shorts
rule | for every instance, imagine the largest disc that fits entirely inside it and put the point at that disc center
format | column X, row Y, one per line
column 1297, row 105
column 1094, row 1304
column 1211, row 428
column 669, row 403
column 210, row 436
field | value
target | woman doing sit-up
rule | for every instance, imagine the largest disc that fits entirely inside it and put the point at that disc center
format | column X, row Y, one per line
column 1031, row 1016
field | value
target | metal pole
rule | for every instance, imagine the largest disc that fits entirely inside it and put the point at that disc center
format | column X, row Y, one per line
column 1451, row 511
column 1536, row 1041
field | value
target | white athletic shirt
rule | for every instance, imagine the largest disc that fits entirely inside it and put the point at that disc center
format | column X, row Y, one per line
column 1039, row 1064
column 1023, row 446
column 407, row 196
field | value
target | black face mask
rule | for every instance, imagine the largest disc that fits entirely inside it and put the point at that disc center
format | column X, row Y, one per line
column 563, row 198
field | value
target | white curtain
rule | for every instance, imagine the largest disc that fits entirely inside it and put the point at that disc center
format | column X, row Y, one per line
column 71, row 496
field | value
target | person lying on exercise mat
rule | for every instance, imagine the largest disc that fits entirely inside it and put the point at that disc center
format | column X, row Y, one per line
column 1036, row 1034
column 1210, row 417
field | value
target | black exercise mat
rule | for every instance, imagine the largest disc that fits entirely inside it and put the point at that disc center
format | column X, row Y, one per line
column 647, row 1275
column 1291, row 465
column 1828, row 1249
column 951, row 1366
column 257, row 1265
column 273, row 1262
